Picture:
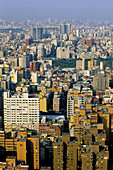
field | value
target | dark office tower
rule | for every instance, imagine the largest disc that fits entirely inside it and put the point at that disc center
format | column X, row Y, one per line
column 33, row 33
column 62, row 29
column 65, row 28
column 39, row 33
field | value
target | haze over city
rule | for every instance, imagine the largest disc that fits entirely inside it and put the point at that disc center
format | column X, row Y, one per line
column 61, row 9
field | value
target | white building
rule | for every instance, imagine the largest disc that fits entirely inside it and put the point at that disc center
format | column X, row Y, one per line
column 41, row 51
column 20, row 111
column 101, row 65
column 34, row 77
column 77, row 33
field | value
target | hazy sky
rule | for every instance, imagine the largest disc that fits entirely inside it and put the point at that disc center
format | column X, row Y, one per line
column 63, row 9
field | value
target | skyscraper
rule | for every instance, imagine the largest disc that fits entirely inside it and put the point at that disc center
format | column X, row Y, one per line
column 33, row 33
column 62, row 29
column 41, row 51
column 37, row 33
column 65, row 28
column 65, row 153
column 68, row 28
column 100, row 82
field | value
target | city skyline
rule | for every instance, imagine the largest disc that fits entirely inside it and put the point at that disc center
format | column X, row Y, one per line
column 56, row 85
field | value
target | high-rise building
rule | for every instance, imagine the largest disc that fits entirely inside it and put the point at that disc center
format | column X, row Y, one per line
column 34, row 65
column 34, row 77
column 77, row 33
column 56, row 102
column 33, row 33
column 68, row 30
column 62, row 29
column 20, row 110
column 101, row 65
column 74, row 100
column 37, row 33
column 80, row 64
column 87, row 160
column 95, row 158
column 100, row 82
column 90, row 64
column 65, row 28
column 21, row 150
column 58, row 155
column 26, row 148
column 33, row 152
column 41, row 51
column 70, row 106
column 24, row 61
column 65, row 154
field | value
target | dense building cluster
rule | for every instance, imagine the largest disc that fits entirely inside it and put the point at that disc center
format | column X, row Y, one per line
column 53, row 116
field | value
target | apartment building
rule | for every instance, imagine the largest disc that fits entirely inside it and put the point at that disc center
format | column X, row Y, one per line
column 20, row 110
column 65, row 154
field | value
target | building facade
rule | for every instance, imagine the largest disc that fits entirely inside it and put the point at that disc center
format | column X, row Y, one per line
column 22, row 111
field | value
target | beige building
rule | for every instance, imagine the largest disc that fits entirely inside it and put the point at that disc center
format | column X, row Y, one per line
column 100, row 82
column 80, row 64
column 56, row 102
column 62, row 52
